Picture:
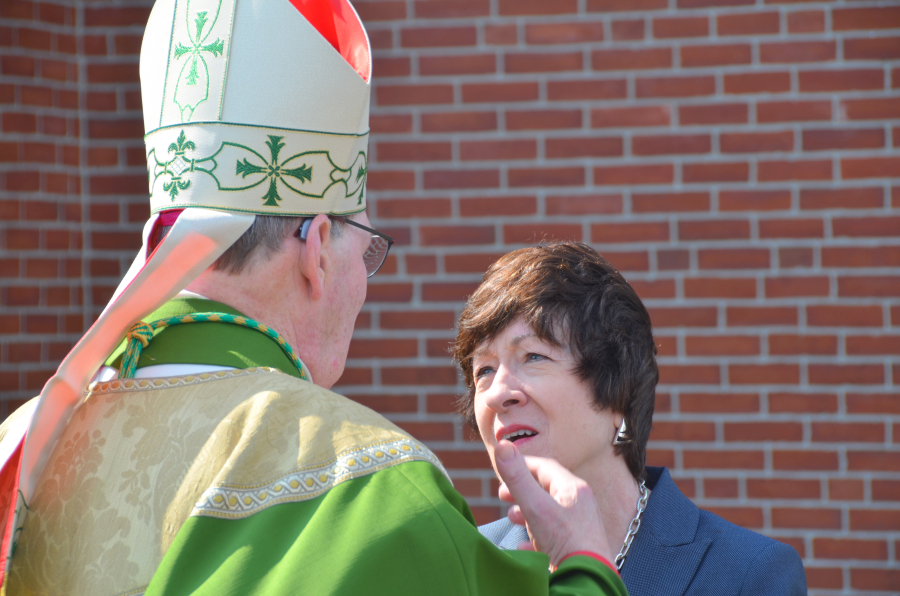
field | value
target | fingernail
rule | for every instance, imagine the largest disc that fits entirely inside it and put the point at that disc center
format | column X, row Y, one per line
column 505, row 451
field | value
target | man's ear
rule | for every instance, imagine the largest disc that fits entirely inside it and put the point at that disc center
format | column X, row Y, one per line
column 315, row 255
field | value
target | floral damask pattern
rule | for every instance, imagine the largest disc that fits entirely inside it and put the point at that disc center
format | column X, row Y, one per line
column 138, row 455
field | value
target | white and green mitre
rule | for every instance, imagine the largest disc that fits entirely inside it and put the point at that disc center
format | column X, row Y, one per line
column 248, row 107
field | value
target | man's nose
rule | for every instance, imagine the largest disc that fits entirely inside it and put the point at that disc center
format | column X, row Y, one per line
column 506, row 391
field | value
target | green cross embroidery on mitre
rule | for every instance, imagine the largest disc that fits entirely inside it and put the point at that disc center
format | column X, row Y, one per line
column 192, row 87
column 273, row 171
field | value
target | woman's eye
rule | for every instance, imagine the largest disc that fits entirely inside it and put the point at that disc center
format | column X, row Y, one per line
column 484, row 370
column 533, row 357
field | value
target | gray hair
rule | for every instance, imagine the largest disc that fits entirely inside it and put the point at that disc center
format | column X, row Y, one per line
column 263, row 238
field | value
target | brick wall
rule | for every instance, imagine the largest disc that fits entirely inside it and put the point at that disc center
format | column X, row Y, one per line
column 738, row 160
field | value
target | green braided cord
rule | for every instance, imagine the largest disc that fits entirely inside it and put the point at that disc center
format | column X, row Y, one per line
column 140, row 334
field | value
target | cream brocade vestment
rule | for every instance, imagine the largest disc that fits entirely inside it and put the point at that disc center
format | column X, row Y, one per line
column 141, row 456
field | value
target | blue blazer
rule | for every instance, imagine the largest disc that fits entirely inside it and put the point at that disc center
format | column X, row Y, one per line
column 683, row 550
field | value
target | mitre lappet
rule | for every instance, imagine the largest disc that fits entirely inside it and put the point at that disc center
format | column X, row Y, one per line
column 250, row 107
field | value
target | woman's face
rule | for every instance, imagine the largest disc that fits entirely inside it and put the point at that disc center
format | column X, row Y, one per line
column 526, row 391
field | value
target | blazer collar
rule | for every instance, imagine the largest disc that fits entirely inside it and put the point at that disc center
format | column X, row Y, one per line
column 665, row 554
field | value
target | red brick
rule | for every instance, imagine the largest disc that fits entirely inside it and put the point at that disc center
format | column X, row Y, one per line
column 720, row 288
column 873, row 403
column 574, row 176
column 722, row 488
column 469, row 263
column 874, row 519
column 583, row 204
column 733, row 258
column 631, row 59
column 457, row 65
column 874, row 461
column 783, row 344
column 459, row 121
column 625, row 5
column 824, row 578
column 714, row 230
column 715, row 55
column 542, row 119
column 757, row 142
column 709, row 3
column 664, row 28
column 872, row 48
column 843, row 316
column 869, row 286
column 845, row 490
column 716, row 172
column 683, row 431
column 391, row 180
column 583, row 147
column 820, row 140
column 772, row 171
column 837, row 432
column 675, row 86
column 754, row 200
column 500, row 34
column 873, row 344
column 383, row 348
column 723, row 460
column 791, row 517
column 631, row 117
column 806, row 21
column 787, row 111
column 499, row 92
column 870, row 109
column 841, row 198
column 866, row 226
column 456, row 235
column 841, row 80
column 875, row 579
column 421, row 264
column 390, row 123
column 628, row 30
column 660, row 288
column 688, row 374
column 634, row 174
column 757, row 82
column 885, row 490
column 737, row 345
column 432, row 9
column 493, row 206
column 870, row 167
column 764, row 374
column 629, row 232
column 791, row 228
column 431, row 37
column 416, row 319
column 536, row 7
column 845, row 19
column 731, row 113
column 802, row 403
column 583, row 89
column 782, row 488
column 414, row 151
column 497, row 150
column 750, row 23
column 403, row 208
column 670, row 202
column 572, row 32
column 543, row 62
column 670, row 144
column 796, row 51
column 683, row 317
column 447, row 292
column 540, row 232
column 420, row 375
column 399, row 95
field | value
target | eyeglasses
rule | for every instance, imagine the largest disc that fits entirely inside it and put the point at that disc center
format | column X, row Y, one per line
column 375, row 254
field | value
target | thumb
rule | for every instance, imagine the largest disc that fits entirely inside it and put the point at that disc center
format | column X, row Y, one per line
column 517, row 478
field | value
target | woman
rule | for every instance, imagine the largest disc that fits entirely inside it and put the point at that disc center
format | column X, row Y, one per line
column 558, row 356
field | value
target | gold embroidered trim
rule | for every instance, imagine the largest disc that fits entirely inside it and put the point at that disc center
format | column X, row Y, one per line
column 232, row 502
column 149, row 384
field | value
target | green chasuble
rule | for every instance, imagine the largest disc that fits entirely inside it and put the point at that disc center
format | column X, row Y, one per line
column 255, row 482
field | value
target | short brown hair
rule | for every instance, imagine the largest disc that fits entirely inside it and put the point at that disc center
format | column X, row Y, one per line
column 571, row 296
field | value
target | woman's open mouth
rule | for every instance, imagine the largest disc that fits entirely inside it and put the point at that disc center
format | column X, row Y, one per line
column 516, row 433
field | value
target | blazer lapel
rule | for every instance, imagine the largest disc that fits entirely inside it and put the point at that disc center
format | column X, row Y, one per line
column 665, row 554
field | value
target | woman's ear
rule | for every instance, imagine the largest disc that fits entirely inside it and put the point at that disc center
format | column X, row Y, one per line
column 315, row 255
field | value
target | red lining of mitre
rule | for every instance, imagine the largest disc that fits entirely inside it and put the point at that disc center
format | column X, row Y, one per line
column 337, row 22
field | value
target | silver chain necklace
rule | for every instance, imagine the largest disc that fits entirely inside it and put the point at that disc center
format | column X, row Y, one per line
column 634, row 526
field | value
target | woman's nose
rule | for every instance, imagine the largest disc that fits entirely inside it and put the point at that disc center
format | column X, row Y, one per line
column 505, row 391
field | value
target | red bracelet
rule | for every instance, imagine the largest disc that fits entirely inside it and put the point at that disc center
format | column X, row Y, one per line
column 587, row 553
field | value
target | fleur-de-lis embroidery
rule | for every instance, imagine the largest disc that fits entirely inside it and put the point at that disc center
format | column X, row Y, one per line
column 273, row 171
column 178, row 165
